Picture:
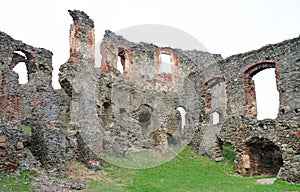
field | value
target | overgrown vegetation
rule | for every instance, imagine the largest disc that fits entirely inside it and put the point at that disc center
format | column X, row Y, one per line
column 26, row 129
column 187, row 172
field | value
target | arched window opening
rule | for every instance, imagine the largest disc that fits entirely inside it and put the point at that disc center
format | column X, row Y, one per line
column 267, row 95
column 183, row 119
column 215, row 118
column 166, row 66
column 20, row 66
column 251, row 89
column 167, row 63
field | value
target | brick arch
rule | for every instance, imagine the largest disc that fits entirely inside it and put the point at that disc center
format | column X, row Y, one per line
column 257, row 67
column 214, row 81
column 249, row 72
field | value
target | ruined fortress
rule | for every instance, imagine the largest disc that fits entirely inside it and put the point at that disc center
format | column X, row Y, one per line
column 109, row 110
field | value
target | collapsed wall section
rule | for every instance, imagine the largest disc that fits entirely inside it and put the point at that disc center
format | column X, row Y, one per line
column 33, row 104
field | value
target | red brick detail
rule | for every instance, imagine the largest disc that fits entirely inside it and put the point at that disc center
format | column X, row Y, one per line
column 105, row 52
column 10, row 106
column 129, row 68
column 74, row 42
column 91, row 58
column 257, row 67
column 207, row 91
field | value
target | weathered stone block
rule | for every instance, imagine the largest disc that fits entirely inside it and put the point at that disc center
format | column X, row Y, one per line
column 2, row 139
column 20, row 145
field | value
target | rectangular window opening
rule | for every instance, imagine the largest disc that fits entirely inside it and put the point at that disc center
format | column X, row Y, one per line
column 167, row 63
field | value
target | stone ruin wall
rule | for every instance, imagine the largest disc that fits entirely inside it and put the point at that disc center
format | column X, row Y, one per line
column 86, row 119
column 270, row 145
column 34, row 104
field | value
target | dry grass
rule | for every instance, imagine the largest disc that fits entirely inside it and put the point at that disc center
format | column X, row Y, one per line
column 77, row 171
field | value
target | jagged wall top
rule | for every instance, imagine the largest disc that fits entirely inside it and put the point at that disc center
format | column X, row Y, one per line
column 81, row 16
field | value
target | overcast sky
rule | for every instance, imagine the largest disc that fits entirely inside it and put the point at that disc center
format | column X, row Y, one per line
column 223, row 26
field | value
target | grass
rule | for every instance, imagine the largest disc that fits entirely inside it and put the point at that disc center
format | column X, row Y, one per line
column 19, row 183
column 144, row 159
column 188, row 172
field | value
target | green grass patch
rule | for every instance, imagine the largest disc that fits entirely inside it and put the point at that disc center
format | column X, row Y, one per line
column 26, row 129
column 20, row 183
column 187, row 172
column 228, row 153
column 145, row 158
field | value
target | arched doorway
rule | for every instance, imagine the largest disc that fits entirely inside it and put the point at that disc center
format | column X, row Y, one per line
column 265, row 157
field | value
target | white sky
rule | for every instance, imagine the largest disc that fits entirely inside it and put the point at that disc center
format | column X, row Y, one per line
column 223, row 26
column 267, row 96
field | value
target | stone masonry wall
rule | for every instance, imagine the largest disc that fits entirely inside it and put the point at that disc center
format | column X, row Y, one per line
column 242, row 128
column 33, row 104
